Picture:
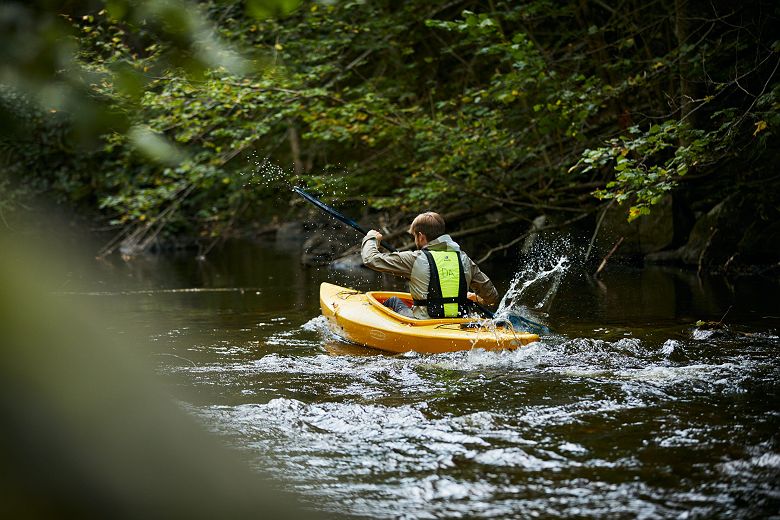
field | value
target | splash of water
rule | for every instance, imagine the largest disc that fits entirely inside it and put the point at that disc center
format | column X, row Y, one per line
column 523, row 283
column 331, row 185
column 536, row 284
column 264, row 173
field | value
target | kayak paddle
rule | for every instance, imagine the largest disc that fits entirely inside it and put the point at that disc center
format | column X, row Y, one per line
column 518, row 322
column 338, row 216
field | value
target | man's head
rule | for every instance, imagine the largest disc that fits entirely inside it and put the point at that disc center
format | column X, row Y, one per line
column 426, row 227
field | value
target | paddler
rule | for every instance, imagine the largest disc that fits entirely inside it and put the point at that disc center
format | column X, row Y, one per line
column 441, row 276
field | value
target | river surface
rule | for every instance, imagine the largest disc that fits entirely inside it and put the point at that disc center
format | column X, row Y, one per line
column 628, row 409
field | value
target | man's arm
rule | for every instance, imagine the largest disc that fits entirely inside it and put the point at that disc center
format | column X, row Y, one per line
column 483, row 287
column 395, row 263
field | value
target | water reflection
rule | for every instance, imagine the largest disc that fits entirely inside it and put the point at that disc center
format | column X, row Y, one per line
column 622, row 295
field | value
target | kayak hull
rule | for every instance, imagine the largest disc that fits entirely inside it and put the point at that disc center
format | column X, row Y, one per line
column 362, row 319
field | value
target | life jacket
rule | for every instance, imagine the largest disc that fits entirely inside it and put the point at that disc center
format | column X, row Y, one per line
column 447, row 289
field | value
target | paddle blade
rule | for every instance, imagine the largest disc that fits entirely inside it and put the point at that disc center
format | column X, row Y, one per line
column 520, row 323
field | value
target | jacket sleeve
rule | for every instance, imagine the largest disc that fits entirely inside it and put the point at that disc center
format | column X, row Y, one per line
column 482, row 286
column 399, row 264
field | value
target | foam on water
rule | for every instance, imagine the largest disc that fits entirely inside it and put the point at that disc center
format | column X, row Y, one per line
column 402, row 434
column 409, row 455
column 670, row 346
column 544, row 429
column 762, row 461
column 627, row 361
column 408, row 450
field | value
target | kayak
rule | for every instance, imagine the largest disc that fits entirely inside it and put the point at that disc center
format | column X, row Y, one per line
column 361, row 318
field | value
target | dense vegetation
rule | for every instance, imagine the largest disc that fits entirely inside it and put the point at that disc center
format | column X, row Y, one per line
column 181, row 121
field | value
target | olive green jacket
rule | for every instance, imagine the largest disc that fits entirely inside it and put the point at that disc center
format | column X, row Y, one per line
column 413, row 265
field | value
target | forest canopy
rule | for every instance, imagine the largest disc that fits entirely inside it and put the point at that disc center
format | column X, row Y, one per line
column 168, row 118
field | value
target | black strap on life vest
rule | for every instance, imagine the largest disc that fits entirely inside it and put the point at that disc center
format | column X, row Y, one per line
column 435, row 302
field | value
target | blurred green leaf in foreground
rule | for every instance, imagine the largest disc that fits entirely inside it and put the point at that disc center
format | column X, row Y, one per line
column 88, row 430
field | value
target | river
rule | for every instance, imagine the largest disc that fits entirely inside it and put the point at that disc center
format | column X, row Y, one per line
column 628, row 409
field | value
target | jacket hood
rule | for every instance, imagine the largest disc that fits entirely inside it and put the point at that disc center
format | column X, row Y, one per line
column 443, row 243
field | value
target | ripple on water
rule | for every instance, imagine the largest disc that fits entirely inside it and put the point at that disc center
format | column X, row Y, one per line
column 636, row 371
column 388, row 462
column 762, row 461
column 360, row 437
column 378, row 442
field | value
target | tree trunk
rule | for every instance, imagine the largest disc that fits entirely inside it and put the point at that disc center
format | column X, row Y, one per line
column 682, row 33
column 295, row 148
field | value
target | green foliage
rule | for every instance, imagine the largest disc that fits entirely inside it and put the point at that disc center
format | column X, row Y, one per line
column 404, row 105
column 647, row 164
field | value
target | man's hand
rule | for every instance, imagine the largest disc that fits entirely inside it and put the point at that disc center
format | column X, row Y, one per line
column 473, row 297
column 375, row 234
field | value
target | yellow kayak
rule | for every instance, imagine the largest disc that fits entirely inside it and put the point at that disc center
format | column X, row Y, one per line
column 361, row 318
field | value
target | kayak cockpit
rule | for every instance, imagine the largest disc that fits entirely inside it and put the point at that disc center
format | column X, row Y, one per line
column 377, row 299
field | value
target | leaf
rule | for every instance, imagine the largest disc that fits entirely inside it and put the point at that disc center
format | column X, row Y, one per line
column 636, row 211
column 760, row 127
column 154, row 146
column 263, row 9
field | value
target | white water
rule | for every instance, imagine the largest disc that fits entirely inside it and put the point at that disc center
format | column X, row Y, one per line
column 526, row 280
column 491, row 434
column 628, row 411
column 536, row 284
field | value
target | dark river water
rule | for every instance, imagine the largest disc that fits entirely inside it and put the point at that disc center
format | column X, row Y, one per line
column 628, row 409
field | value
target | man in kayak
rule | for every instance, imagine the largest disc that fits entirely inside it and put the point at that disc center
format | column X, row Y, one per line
column 440, row 274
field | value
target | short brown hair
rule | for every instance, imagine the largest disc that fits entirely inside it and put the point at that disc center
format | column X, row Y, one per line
column 429, row 224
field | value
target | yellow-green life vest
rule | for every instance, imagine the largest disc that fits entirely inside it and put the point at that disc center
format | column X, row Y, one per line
column 447, row 290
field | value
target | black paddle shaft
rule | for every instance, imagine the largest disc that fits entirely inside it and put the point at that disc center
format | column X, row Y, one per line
column 335, row 214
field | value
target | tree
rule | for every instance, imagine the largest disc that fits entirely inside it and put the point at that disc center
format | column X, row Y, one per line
column 499, row 108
